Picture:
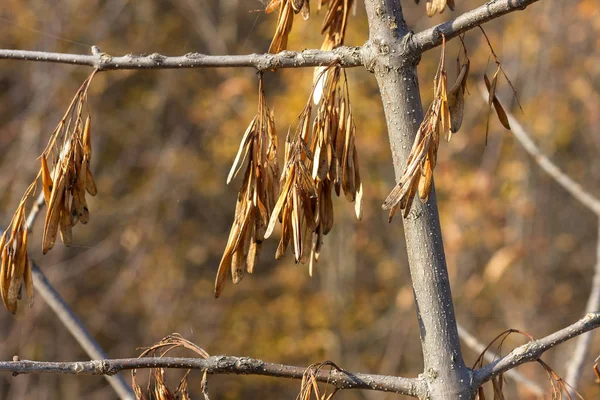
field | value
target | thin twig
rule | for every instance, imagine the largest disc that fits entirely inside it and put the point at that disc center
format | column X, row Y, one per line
column 432, row 37
column 575, row 366
column 67, row 316
column 474, row 344
column 347, row 56
column 574, row 188
column 76, row 328
column 218, row 365
column 533, row 350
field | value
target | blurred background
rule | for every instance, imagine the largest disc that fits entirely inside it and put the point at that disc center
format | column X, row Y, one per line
column 520, row 250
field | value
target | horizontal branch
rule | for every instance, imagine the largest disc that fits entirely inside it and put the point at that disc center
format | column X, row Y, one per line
column 217, row 365
column 347, row 56
column 474, row 344
column 432, row 37
column 533, row 350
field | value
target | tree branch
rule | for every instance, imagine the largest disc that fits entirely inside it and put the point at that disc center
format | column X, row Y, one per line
column 76, row 328
column 574, row 188
column 580, row 352
column 533, row 350
column 432, row 37
column 219, row 365
column 347, row 56
column 474, row 344
column 395, row 68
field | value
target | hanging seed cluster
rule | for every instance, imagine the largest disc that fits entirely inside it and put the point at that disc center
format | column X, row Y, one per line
column 287, row 9
column 66, row 177
column 15, row 268
column 334, row 30
column 256, row 198
column 318, row 160
column 443, row 117
column 157, row 388
column 320, row 157
column 65, row 188
column 335, row 22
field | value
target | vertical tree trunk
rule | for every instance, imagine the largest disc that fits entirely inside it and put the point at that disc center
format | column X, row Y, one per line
column 395, row 68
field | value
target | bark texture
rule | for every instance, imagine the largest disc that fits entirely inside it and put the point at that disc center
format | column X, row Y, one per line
column 389, row 57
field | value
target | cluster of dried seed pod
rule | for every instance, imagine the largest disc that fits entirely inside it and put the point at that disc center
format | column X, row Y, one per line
column 320, row 157
column 335, row 22
column 287, row 9
column 318, row 160
column 157, row 386
column 256, row 198
column 443, row 117
column 334, row 29
column 15, row 269
column 64, row 187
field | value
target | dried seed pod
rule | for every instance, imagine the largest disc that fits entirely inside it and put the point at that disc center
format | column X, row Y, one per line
column 53, row 213
column 46, row 180
column 456, row 97
column 493, row 100
column 87, row 138
column 90, row 184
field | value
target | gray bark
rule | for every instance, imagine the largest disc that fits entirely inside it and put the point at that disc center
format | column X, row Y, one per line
column 395, row 67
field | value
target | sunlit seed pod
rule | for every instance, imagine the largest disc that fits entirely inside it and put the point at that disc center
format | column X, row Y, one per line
column 242, row 151
column 87, row 138
column 53, row 214
column 253, row 255
column 273, row 5
column 90, row 184
column 46, row 180
column 359, row 188
column 238, row 265
column 66, row 232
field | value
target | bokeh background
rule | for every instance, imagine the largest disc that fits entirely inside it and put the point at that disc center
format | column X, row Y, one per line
column 520, row 250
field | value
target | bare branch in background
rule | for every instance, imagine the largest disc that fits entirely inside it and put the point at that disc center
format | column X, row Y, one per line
column 574, row 188
column 576, row 365
column 68, row 317
column 219, row 365
column 474, row 344
column 533, row 350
